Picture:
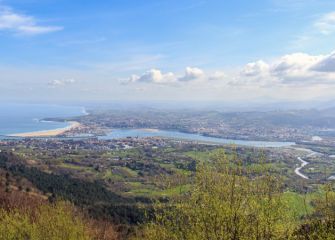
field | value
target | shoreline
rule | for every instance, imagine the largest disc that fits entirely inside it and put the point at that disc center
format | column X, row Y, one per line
column 48, row 133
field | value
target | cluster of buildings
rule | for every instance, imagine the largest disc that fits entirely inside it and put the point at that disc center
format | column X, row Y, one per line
column 82, row 143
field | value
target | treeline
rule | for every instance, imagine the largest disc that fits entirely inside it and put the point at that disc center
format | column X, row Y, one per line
column 92, row 196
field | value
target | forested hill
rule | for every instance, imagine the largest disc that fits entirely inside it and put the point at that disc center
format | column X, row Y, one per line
column 92, row 196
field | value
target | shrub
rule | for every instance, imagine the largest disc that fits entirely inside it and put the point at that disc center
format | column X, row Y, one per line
column 224, row 203
column 53, row 222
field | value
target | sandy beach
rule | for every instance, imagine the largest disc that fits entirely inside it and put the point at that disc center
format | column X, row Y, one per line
column 48, row 133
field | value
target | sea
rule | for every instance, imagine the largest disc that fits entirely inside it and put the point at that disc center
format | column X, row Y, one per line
column 24, row 118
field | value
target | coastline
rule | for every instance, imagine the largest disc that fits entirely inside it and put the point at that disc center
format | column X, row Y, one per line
column 48, row 133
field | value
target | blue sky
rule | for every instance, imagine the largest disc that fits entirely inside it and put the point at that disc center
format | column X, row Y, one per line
column 167, row 49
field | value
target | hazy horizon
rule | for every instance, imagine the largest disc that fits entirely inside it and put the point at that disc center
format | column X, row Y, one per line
column 224, row 106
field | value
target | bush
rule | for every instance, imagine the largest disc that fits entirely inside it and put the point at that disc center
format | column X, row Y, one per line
column 53, row 222
column 321, row 224
column 224, row 203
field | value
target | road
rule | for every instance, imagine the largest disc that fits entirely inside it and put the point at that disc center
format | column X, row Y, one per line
column 303, row 164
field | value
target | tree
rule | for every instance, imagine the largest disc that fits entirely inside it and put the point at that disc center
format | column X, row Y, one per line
column 224, row 202
column 320, row 225
column 47, row 222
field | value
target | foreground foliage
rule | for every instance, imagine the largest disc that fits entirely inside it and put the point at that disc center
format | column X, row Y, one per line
column 30, row 217
column 48, row 222
column 225, row 202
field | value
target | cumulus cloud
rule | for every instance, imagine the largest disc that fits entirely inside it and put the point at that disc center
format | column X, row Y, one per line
column 256, row 68
column 22, row 24
column 61, row 83
column 296, row 62
column 153, row 76
column 291, row 70
column 326, row 64
column 297, row 68
column 157, row 77
column 326, row 24
column 192, row 73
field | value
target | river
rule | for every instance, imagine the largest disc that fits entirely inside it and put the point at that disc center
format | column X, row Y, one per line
column 124, row 133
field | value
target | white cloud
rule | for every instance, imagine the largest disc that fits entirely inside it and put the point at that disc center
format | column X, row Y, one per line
column 22, row 24
column 153, row 76
column 326, row 64
column 292, row 76
column 256, row 68
column 294, row 62
column 229, row 86
column 292, row 69
column 326, row 24
column 296, row 68
column 192, row 73
column 157, row 77
column 61, row 83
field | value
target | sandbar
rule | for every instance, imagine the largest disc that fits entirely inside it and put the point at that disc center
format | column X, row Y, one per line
column 48, row 133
